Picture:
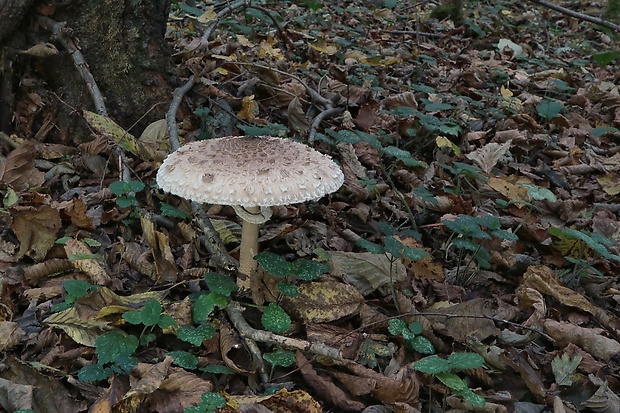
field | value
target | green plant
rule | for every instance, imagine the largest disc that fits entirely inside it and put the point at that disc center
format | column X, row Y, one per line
column 470, row 233
column 444, row 370
column 411, row 333
column 210, row 403
column 576, row 246
column 150, row 315
column 305, row 270
column 125, row 192
column 75, row 289
column 115, row 354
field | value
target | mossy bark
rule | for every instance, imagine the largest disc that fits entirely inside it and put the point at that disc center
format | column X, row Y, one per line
column 122, row 43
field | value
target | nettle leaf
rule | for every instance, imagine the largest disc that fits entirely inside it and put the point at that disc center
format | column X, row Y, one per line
column 308, row 270
column 275, row 319
column 220, row 283
column 205, row 305
column 274, row 264
column 452, row 381
column 396, row 326
column 196, row 335
column 467, row 226
column 93, row 372
column 78, row 288
column 467, row 244
column 370, row 246
column 151, row 312
column 471, row 397
column 415, row 327
column 119, row 187
column 184, row 359
column 505, row 234
column 432, row 365
column 422, row 345
column 402, row 155
column 112, row 345
column 288, row 289
column 280, row 357
column 168, row 210
column 463, row 361
column 549, row 109
column 217, row 369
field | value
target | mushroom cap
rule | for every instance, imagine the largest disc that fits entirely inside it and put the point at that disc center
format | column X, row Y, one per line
column 249, row 171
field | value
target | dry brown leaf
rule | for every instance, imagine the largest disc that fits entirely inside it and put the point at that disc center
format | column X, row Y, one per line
column 178, row 390
column 426, row 268
column 36, row 228
column 400, row 387
column 230, row 347
column 366, row 271
column 460, row 328
column 487, row 156
column 509, row 190
column 327, row 389
column 18, row 169
column 589, row 339
column 160, row 249
column 11, row 335
column 297, row 120
column 604, row 400
column 88, row 266
column 540, row 277
column 155, row 140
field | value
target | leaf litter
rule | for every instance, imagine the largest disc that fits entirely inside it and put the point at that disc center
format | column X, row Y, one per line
column 480, row 201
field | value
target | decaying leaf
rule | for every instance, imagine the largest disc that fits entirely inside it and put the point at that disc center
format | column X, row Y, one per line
column 36, row 228
column 325, row 301
column 589, row 339
column 83, row 331
column 487, row 156
column 18, row 169
column 564, row 366
column 81, row 261
column 110, row 129
column 366, row 271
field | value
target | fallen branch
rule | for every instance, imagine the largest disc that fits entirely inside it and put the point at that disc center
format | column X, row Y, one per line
column 320, row 349
column 577, row 15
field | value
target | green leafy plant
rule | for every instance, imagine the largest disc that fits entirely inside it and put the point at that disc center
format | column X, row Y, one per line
column 275, row 319
column 305, row 270
column 210, row 403
column 470, row 233
column 125, row 192
column 220, row 288
column 411, row 333
column 75, row 289
column 576, row 245
column 115, row 354
column 150, row 315
column 444, row 370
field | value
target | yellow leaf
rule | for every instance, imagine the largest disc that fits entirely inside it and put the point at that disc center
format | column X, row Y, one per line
column 108, row 128
column 509, row 190
column 231, row 58
column 323, row 47
column 207, row 16
column 220, row 71
column 506, row 93
column 249, row 109
column 267, row 49
column 443, row 142
column 610, row 183
column 243, row 41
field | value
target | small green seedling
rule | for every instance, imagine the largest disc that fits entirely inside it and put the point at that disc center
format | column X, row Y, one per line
column 444, row 370
column 75, row 289
column 411, row 333
column 209, row 404
column 275, row 319
column 125, row 192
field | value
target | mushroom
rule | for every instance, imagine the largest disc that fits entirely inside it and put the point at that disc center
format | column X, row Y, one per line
column 250, row 174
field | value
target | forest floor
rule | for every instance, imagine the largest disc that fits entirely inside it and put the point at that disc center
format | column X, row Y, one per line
column 469, row 262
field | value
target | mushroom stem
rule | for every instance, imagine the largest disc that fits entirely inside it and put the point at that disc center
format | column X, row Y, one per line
column 249, row 248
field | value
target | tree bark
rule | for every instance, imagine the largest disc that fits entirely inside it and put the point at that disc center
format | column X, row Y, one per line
column 124, row 47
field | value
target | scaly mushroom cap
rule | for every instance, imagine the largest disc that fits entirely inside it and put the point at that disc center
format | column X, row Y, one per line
column 249, row 171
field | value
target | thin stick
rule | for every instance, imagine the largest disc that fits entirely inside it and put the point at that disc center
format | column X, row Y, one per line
column 577, row 15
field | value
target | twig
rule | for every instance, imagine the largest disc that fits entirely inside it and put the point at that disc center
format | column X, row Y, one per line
column 58, row 32
column 418, row 33
column 320, row 349
column 577, row 15
column 171, row 115
column 327, row 105
column 204, row 40
column 213, row 243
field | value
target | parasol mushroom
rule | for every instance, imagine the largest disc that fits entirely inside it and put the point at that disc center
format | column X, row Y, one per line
column 250, row 174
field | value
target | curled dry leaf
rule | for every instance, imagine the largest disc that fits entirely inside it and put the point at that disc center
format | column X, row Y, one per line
column 36, row 228
column 589, row 339
column 487, row 156
column 18, row 170
column 88, row 266
column 160, row 249
column 327, row 389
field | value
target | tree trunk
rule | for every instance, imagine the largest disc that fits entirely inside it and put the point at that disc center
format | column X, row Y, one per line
column 124, row 47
